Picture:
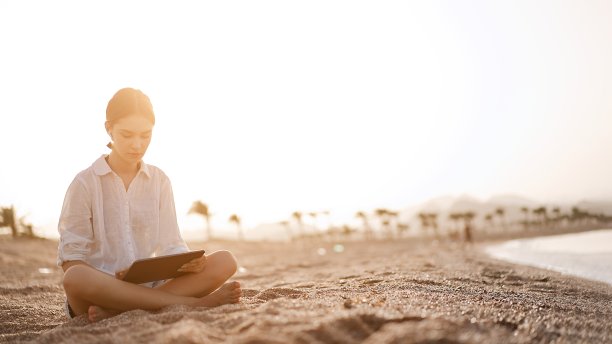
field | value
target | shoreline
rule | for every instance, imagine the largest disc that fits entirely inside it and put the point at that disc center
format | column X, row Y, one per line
column 585, row 254
column 377, row 292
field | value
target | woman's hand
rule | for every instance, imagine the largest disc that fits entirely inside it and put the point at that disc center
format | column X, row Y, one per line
column 195, row 265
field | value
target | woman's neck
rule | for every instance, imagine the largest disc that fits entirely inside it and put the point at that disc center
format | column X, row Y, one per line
column 121, row 166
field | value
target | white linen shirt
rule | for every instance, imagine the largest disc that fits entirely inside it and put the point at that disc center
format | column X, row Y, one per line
column 108, row 227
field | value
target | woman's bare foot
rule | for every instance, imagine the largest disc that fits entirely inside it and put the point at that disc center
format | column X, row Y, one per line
column 95, row 313
column 230, row 292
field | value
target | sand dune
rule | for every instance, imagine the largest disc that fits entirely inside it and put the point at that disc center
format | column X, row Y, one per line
column 380, row 292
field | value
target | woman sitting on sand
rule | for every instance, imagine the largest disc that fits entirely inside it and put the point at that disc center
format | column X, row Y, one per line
column 121, row 209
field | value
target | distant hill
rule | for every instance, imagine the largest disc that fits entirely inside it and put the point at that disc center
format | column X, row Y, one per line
column 466, row 203
column 598, row 207
column 511, row 205
column 512, row 200
column 443, row 206
column 437, row 204
column 463, row 203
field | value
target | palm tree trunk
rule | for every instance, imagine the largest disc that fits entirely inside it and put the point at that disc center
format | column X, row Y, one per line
column 208, row 228
column 9, row 219
column 240, row 234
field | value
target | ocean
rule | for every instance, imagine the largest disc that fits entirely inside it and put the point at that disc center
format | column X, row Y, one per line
column 587, row 254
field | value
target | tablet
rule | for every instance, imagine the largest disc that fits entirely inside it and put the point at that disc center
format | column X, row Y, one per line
column 159, row 268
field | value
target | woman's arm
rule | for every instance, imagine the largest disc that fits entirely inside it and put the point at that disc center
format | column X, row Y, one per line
column 66, row 265
column 170, row 240
column 75, row 225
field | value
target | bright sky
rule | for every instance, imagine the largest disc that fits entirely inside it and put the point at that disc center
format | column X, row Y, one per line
column 267, row 107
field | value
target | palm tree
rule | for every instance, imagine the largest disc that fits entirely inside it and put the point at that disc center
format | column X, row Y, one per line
column 489, row 220
column 287, row 229
column 29, row 229
column 500, row 212
column 424, row 218
column 347, row 231
column 525, row 211
column 26, row 227
column 384, row 218
column 433, row 222
column 201, row 208
column 326, row 213
column 393, row 219
column 313, row 215
column 467, row 218
column 429, row 220
column 557, row 212
column 579, row 215
column 235, row 219
column 402, row 228
column 541, row 213
column 455, row 217
column 546, row 216
column 8, row 219
column 367, row 230
column 297, row 216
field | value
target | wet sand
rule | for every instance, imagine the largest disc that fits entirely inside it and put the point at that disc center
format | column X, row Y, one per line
column 402, row 291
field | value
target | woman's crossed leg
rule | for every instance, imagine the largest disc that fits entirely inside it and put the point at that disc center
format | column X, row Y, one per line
column 101, row 296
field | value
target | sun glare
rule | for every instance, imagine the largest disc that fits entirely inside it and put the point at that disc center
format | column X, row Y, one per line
column 268, row 108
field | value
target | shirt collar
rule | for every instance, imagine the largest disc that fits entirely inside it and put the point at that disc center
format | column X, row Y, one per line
column 101, row 167
column 144, row 168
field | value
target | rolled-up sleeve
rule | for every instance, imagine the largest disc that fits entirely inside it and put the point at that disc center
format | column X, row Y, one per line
column 75, row 224
column 170, row 240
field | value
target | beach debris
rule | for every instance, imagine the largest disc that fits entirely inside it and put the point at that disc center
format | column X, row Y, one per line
column 379, row 302
column 348, row 304
column 495, row 273
column 45, row 270
column 350, row 276
column 321, row 251
column 242, row 270
column 338, row 248
column 372, row 281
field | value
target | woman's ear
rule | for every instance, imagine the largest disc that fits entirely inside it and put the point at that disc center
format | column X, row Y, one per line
column 108, row 127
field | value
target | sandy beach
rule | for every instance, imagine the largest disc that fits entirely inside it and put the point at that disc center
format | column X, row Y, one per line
column 403, row 291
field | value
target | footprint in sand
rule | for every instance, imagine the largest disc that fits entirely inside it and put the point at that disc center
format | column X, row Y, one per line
column 275, row 293
column 494, row 273
column 357, row 327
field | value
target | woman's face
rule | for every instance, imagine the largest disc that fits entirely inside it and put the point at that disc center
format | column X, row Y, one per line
column 131, row 137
